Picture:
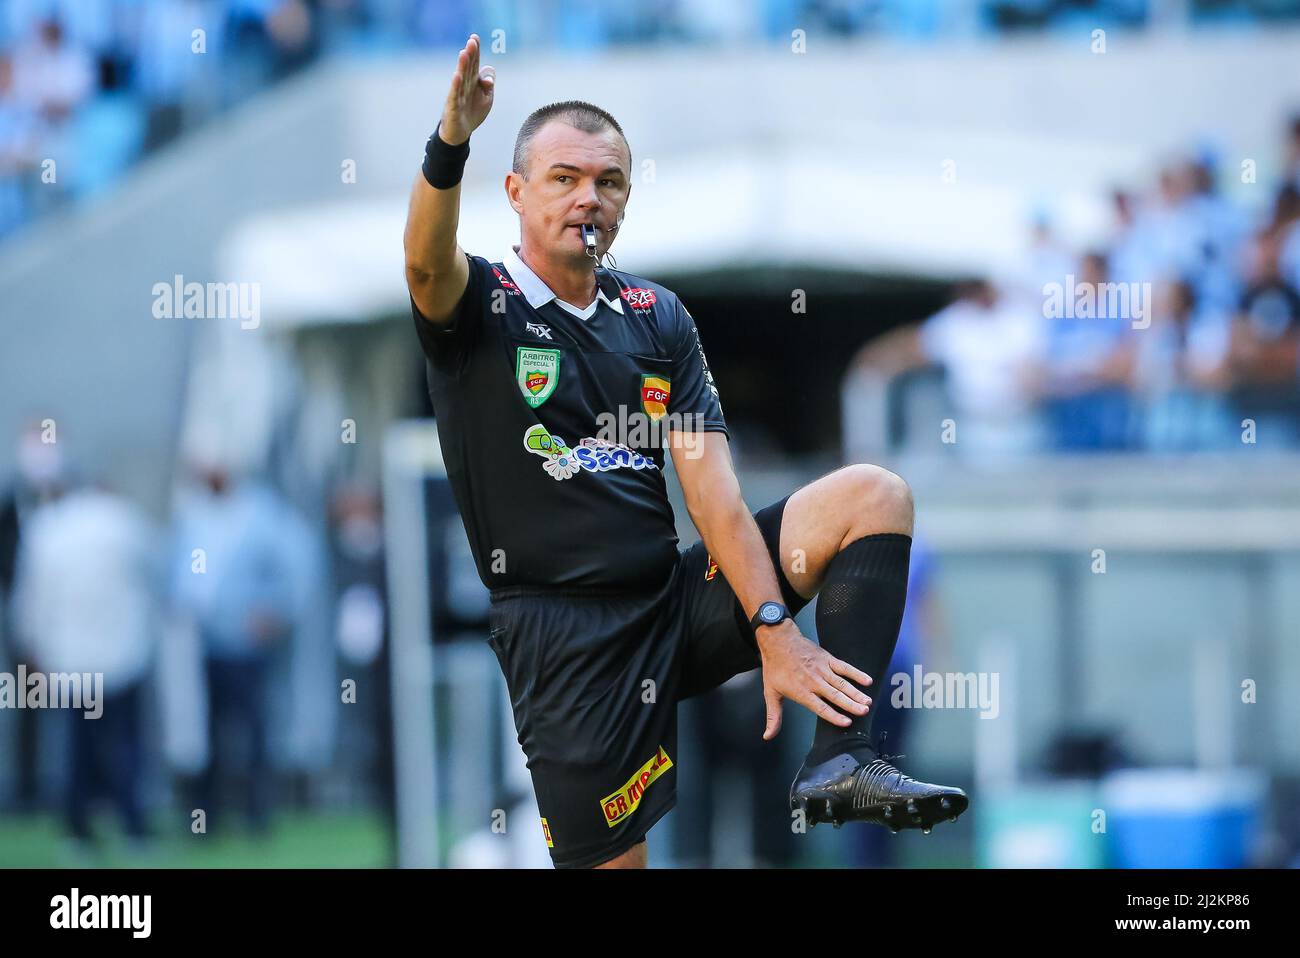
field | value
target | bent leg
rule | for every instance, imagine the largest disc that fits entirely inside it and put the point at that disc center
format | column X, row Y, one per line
column 853, row 532
column 825, row 516
column 847, row 538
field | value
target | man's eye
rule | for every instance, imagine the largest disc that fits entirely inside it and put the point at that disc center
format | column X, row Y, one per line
column 607, row 182
column 562, row 176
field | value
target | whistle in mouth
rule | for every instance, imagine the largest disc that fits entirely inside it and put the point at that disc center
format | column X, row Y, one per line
column 589, row 238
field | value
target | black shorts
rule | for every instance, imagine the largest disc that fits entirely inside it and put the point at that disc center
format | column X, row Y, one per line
column 595, row 677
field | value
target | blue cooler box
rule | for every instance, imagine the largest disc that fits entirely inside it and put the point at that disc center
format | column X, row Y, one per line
column 1182, row 818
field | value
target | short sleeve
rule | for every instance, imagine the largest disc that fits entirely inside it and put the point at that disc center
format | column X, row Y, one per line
column 693, row 401
column 447, row 346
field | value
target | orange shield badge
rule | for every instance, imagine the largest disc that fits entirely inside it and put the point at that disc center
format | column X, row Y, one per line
column 654, row 396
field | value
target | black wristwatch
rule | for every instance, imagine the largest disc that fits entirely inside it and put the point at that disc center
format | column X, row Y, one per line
column 769, row 613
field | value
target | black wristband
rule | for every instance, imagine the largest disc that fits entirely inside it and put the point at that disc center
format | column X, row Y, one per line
column 444, row 164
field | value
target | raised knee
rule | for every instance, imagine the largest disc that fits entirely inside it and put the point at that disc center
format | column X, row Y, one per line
column 880, row 498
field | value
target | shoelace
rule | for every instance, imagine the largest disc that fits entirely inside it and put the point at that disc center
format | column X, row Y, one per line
column 877, row 746
column 890, row 758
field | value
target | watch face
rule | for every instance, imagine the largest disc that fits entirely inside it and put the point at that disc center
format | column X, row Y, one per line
column 771, row 613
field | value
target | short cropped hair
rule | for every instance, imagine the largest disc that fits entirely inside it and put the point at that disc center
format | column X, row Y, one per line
column 579, row 114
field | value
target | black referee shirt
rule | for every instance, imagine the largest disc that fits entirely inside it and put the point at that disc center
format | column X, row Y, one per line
column 529, row 400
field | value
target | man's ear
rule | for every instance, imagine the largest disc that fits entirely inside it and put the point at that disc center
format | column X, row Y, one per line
column 513, row 187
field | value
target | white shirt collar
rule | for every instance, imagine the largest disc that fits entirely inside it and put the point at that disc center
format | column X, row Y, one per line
column 538, row 293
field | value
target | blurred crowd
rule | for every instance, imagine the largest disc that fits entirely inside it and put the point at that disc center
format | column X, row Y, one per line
column 198, row 627
column 88, row 87
column 1181, row 333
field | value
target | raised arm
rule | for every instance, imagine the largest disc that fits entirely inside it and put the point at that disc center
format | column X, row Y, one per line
column 436, row 270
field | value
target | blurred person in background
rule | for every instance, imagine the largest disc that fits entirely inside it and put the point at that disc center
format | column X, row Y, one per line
column 107, row 135
column 361, row 631
column 337, row 22
column 266, row 40
column 1047, row 259
column 18, row 150
column 53, row 75
column 85, row 602
column 52, row 79
column 1167, row 224
column 1219, row 230
column 1133, row 253
column 1265, row 346
column 987, row 343
column 735, row 783
column 1182, row 374
column 39, row 479
column 236, row 577
column 1284, row 226
column 88, row 24
column 1291, row 161
column 1087, row 370
column 170, row 78
column 1184, row 228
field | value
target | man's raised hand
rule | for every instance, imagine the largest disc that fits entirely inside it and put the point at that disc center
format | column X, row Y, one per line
column 470, row 98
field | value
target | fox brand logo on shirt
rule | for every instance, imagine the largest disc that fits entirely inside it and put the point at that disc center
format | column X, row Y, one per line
column 546, row 830
column 624, row 802
column 639, row 298
column 712, row 569
column 538, row 373
column 654, row 395
column 591, row 455
column 539, row 330
column 102, row 911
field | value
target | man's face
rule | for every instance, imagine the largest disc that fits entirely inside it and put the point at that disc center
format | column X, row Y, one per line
column 573, row 178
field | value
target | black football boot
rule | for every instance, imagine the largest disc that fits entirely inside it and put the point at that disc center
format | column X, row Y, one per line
column 860, row 785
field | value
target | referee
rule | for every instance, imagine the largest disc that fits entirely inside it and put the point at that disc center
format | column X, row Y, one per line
column 600, row 623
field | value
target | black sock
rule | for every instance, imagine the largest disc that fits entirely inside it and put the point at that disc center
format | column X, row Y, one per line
column 859, row 612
